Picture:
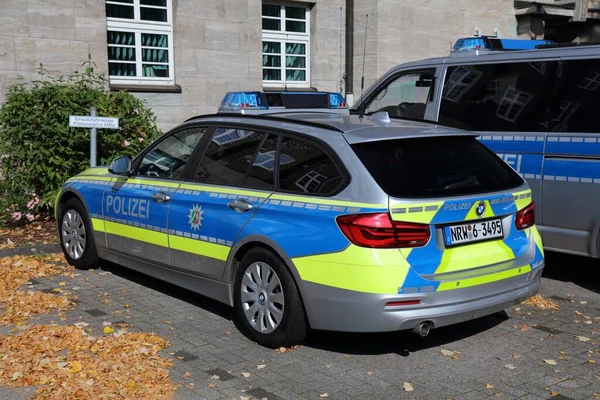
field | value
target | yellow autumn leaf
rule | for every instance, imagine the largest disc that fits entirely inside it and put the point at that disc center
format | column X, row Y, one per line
column 74, row 367
column 108, row 330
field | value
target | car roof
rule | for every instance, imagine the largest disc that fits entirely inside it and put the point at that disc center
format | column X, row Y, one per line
column 355, row 129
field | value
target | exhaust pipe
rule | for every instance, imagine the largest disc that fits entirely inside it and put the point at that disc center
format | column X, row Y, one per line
column 422, row 329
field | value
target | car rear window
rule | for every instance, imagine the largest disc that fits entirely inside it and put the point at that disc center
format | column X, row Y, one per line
column 435, row 167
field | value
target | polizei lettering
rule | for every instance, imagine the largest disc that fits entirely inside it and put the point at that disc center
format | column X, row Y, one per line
column 128, row 206
column 457, row 206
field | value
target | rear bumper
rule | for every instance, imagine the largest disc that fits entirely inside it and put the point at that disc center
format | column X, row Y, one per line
column 335, row 309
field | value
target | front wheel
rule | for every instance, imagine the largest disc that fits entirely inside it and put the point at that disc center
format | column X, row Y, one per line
column 268, row 302
column 76, row 237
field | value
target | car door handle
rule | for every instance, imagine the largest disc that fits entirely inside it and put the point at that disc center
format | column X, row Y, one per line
column 240, row 205
column 161, row 197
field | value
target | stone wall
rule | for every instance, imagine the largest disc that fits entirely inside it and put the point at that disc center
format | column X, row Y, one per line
column 408, row 30
column 57, row 33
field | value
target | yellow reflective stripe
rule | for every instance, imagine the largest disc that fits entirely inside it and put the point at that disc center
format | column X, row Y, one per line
column 360, row 269
column 132, row 232
column 419, row 213
column 475, row 255
column 56, row 204
column 320, row 200
column 91, row 177
column 96, row 171
column 538, row 239
column 98, row 225
column 150, row 182
column 524, row 202
column 480, row 280
column 212, row 250
column 216, row 189
column 488, row 213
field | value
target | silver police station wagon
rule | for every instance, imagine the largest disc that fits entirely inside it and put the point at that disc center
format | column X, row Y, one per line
column 319, row 220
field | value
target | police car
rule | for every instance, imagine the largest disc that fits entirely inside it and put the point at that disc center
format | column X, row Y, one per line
column 322, row 220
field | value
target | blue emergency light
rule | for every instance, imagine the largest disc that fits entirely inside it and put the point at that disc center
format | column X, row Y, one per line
column 265, row 102
column 496, row 44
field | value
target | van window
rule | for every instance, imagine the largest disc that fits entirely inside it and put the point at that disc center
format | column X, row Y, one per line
column 576, row 98
column 405, row 96
column 435, row 167
column 497, row 97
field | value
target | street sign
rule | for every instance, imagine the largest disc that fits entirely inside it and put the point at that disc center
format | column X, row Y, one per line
column 86, row 121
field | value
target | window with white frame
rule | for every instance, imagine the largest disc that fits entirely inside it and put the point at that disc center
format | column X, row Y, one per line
column 140, row 41
column 285, row 45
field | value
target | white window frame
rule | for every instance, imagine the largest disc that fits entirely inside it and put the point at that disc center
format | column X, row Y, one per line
column 284, row 37
column 456, row 87
column 137, row 26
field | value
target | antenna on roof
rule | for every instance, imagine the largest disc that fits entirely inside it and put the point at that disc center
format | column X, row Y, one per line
column 477, row 31
column 362, row 78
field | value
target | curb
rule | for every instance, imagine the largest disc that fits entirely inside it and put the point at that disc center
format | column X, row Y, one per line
column 31, row 250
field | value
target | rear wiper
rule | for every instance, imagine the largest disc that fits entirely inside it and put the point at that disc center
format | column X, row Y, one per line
column 459, row 184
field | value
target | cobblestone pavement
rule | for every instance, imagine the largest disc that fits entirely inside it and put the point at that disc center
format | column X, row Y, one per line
column 499, row 356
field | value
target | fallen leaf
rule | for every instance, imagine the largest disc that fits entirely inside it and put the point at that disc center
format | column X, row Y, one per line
column 16, row 376
column 107, row 323
column 81, row 324
column 62, row 284
column 583, row 338
column 227, row 332
column 108, row 330
column 89, row 382
column 489, row 386
column 583, row 302
column 525, row 328
column 408, row 387
column 144, row 350
column 447, row 352
column 260, row 366
column 244, row 398
column 282, row 349
column 74, row 367
column 541, row 302
column 212, row 385
column 550, row 362
column 587, row 322
column 127, row 305
column 516, row 356
column 370, row 373
column 554, row 394
column 323, row 395
column 215, row 377
column 564, row 353
column 245, row 374
column 591, row 361
column 510, row 366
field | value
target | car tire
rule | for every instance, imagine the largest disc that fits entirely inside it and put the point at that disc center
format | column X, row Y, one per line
column 77, row 236
column 279, row 293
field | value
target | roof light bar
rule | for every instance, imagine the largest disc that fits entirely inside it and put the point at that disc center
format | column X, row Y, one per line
column 265, row 102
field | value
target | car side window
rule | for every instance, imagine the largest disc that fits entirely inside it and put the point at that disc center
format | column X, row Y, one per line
column 262, row 170
column 576, row 97
column 405, row 96
column 169, row 157
column 304, row 168
column 497, row 97
column 230, row 155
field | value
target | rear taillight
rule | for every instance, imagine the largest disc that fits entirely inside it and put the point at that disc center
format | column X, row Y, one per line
column 379, row 231
column 526, row 217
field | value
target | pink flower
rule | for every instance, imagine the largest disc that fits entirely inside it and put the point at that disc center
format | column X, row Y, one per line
column 31, row 204
column 33, row 195
column 126, row 143
column 36, row 201
column 140, row 139
column 30, row 217
column 16, row 216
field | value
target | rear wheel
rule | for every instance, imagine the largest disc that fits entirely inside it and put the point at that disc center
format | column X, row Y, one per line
column 267, row 300
column 76, row 235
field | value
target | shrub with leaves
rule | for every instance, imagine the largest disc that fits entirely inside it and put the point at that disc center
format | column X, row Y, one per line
column 38, row 149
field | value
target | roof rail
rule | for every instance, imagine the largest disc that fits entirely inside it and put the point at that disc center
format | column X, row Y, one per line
column 570, row 44
column 271, row 117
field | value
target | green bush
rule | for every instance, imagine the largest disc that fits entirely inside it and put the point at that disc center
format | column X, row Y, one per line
column 39, row 150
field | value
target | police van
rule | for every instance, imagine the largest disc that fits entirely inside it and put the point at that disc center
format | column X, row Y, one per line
column 533, row 102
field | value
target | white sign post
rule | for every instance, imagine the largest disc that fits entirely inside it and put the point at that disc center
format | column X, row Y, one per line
column 93, row 122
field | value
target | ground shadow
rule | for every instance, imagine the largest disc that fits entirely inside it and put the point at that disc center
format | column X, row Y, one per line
column 168, row 289
column 402, row 343
column 582, row 271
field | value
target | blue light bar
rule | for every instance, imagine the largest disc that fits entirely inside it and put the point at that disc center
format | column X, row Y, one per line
column 496, row 44
column 264, row 102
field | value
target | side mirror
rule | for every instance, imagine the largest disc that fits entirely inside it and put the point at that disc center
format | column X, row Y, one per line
column 120, row 166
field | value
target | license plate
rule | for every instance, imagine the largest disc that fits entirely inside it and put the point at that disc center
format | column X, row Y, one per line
column 473, row 232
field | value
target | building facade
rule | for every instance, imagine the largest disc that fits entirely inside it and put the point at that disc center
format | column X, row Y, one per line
column 182, row 56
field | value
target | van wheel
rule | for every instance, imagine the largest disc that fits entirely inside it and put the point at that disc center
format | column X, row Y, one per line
column 268, row 302
column 76, row 236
